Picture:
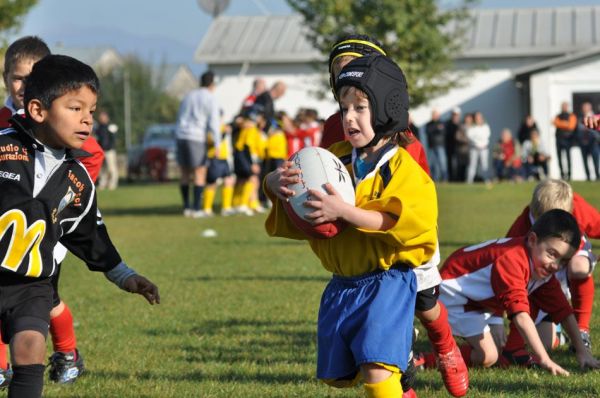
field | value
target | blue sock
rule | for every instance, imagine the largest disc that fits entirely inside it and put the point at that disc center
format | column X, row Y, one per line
column 198, row 189
column 185, row 195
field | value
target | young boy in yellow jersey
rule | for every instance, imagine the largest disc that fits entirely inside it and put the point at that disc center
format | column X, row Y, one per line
column 276, row 150
column 220, row 167
column 247, row 158
column 366, row 315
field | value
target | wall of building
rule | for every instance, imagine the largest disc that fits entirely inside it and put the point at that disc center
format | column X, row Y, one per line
column 234, row 83
column 548, row 90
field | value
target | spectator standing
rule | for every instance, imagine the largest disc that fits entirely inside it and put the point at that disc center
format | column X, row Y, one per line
column 565, row 123
column 106, row 133
column 199, row 114
column 527, row 126
column 452, row 127
column 478, row 135
column 435, row 131
column 588, row 142
column 259, row 86
column 265, row 103
column 462, row 148
column 535, row 157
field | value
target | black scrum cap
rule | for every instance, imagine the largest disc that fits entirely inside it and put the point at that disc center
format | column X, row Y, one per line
column 384, row 83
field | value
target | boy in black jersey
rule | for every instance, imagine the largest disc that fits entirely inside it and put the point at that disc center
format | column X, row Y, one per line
column 46, row 196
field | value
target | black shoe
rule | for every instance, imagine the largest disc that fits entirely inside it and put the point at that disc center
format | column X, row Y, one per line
column 587, row 341
column 66, row 367
column 5, row 377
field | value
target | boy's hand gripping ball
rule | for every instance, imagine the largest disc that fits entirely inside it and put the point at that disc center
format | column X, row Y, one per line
column 319, row 167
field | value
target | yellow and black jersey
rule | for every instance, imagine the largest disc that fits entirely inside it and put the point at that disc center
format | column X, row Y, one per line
column 251, row 138
column 397, row 185
column 40, row 206
column 225, row 148
column 277, row 145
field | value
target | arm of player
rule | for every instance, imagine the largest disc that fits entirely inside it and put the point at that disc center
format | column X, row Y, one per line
column 526, row 327
column 584, row 356
column 128, row 280
column 330, row 207
column 278, row 180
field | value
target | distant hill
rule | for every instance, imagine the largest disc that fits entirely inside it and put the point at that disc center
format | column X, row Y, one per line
column 154, row 49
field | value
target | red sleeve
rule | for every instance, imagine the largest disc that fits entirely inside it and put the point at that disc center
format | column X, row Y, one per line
column 521, row 226
column 587, row 217
column 415, row 149
column 5, row 114
column 550, row 298
column 510, row 274
column 93, row 163
column 332, row 131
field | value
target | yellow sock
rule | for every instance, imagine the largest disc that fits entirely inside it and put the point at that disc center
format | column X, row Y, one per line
column 209, row 198
column 237, row 194
column 389, row 388
column 227, row 198
column 247, row 193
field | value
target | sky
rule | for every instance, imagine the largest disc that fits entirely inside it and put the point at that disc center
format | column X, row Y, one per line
column 156, row 30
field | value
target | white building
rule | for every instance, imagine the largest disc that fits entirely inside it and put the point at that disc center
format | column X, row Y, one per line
column 517, row 61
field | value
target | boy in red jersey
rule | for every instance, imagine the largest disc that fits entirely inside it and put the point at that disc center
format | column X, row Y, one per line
column 576, row 278
column 66, row 363
column 513, row 275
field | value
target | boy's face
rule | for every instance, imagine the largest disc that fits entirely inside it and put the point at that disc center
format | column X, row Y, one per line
column 69, row 120
column 548, row 255
column 14, row 79
column 356, row 119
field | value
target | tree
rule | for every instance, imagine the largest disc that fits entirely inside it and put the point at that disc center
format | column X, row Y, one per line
column 149, row 103
column 11, row 14
column 422, row 38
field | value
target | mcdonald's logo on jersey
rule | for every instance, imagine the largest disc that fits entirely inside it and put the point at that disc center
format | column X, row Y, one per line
column 25, row 239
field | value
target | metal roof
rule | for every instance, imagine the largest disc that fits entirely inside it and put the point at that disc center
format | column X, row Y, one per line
column 491, row 33
column 260, row 39
column 88, row 55
column 557, row 61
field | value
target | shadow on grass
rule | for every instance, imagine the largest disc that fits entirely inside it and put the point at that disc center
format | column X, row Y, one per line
column 226, row 377
column 264, row 278
column 237, row 341
column 142, row 211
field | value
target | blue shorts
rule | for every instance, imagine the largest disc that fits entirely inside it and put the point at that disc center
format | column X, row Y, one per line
column 366, row 319
column 217, row 168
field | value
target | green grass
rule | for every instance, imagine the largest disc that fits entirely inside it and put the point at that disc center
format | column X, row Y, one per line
column 238, row 313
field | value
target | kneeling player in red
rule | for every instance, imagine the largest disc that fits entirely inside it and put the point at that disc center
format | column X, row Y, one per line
column 513, row 275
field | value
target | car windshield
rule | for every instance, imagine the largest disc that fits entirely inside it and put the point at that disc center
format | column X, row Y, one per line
column 162, row 132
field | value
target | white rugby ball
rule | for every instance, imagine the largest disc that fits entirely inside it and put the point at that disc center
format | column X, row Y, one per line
column 319, row 167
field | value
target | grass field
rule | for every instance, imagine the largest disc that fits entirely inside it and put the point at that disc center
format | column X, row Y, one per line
column 238, row 311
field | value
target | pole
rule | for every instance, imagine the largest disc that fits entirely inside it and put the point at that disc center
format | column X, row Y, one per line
column 127, row 109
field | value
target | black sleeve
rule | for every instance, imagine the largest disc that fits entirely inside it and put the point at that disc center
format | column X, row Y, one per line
column 90, row 242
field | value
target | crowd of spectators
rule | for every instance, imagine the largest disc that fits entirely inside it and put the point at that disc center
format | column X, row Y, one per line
column 459, row 147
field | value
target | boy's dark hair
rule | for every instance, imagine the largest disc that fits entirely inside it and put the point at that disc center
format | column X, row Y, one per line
column 207, row 78
column 56, row 75
column 560, row 224
column 25, row 48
